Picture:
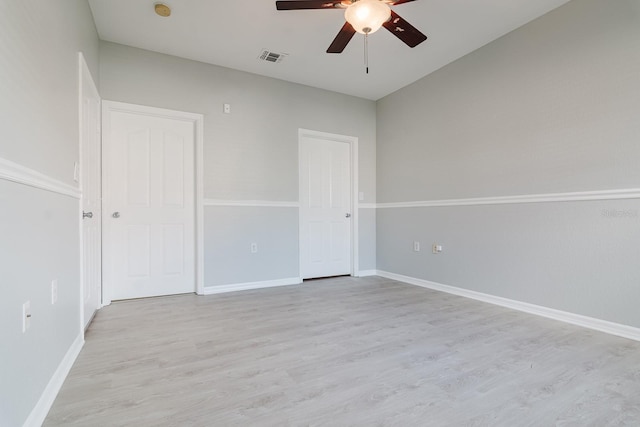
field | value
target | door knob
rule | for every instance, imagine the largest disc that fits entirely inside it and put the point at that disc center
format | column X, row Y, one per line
column 116, row 215
column 87, row 214
column 347, row 215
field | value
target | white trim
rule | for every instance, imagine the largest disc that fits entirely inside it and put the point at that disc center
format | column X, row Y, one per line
column 198, row 122
column 251, row 203
column 612, row 328
column 145, row 110
column 199, row 154
column 40, row 411
column 366, row 273
column 14, row 172
column 82, row 66
column 210, row 290
column 367, row 206
column 629, row 193
column 84, row 71
column 355, row 216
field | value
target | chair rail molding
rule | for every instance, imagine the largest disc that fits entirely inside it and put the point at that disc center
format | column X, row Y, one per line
column 577, row 196
column 367, row 206
column 252, row 203
column 14, row 172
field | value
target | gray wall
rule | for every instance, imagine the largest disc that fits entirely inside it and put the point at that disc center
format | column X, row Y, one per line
column 368, row 239
column 250, row 154
column 551, row 107
column 39, row 237
column 240, row 226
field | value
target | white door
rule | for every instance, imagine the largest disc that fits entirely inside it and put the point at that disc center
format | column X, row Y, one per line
column 90, row 181
column 149, row 205
column 325, row 208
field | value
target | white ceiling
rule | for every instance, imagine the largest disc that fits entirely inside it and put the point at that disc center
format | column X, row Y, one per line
column 232, row 33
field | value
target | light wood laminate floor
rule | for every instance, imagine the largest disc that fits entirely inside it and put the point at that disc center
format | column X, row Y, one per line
column 344, row 352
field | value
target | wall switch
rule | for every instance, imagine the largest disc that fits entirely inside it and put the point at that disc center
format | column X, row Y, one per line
column 436, row 249
column 76, row 171
column 254, row 248
column 26, row 316
column 226, row 108
column 54, row 291
column 416, row 246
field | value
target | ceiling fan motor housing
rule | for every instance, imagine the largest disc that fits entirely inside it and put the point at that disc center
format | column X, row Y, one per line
column 362, row 16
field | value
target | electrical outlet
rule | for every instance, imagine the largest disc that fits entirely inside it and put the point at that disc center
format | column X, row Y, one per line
column 436, row 248
column 254, row 248
column 416, row 246
column 54, row 291
column 26, row 316
column 226, row 108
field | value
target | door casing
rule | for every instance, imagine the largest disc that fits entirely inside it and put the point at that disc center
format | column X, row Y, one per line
column 87, row 87
column 198, row 120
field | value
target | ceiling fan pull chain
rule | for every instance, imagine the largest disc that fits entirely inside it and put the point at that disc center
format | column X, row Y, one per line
column 366, row 52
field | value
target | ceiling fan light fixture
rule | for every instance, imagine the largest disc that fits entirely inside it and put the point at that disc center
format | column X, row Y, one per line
column 367, row 16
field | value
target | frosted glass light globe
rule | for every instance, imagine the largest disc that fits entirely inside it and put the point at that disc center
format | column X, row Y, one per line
column 367, row 16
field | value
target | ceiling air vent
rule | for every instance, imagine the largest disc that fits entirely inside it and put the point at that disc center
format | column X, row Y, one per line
column 267, row 55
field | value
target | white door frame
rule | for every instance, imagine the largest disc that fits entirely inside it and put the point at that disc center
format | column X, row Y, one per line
column 198, row 122
column 83, row 71
column 353, row 152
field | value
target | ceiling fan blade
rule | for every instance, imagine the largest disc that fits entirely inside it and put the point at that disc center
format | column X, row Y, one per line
column 342, row 39
column 308, row 4
column 397, row 2
column 404, row 31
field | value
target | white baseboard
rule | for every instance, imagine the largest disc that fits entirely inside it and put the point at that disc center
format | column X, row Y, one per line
column 40, row 411
column 210, row 290
column 612, row 328
column 365, row 273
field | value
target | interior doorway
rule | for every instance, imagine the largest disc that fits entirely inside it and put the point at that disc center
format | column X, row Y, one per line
column 149, row 176
column 328, row 208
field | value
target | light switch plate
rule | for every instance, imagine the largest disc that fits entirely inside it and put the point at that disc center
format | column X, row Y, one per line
column 54, row 291
column 26, row 316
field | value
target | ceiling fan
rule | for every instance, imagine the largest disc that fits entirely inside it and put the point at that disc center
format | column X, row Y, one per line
column 362, row 16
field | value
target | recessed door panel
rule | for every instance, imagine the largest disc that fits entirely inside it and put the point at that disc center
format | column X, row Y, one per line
column 316, row 234
column 337, row 181
column 137, row 161
column 314, row 198
column 138, row 246
column 173, row 249
column 173, row 176
column 337, row 244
